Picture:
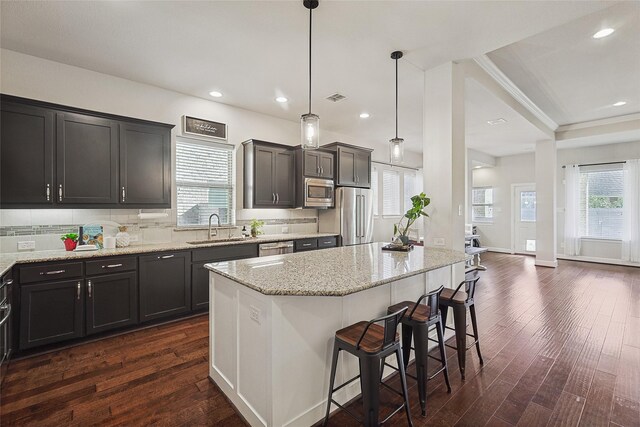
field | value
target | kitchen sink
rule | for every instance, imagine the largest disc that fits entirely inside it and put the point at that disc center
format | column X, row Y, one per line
column 222, row 240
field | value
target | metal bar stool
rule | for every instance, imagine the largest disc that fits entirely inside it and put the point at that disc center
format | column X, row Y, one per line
column 459, row 301
column 419, row 320
column 371, row 344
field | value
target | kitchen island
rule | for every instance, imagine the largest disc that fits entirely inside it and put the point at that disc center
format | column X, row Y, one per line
column 273, row 319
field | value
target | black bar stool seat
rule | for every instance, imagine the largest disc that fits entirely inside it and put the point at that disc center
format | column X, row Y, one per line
column 371, row 344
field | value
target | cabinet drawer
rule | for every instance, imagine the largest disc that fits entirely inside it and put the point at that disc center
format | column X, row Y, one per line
column 306, row 244
column 327, row 242
column 225, row 253
column 50, row 272
column 110, row 265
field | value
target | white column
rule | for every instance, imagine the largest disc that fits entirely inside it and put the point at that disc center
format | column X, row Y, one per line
column 546, row 203
column 444, row 155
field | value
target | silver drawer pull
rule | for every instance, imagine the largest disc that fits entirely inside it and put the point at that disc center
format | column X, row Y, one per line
column 166, row 256
column 48, row 273
column 7, row 282
column 89, row 288
column 78, row 292
column 328, row 242
column 306, row 244
column 112, row 266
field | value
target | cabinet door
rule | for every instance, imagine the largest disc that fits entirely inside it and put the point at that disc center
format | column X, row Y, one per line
column 311, row 163
column 199, row 287
column 263, row 176
column 284, row 178
column 363, row 169
column 165, row 285
column 326, row 165
column 51, row 312
column 87, row 160
column 26, row 155
column 145, row 165
column 346, row 166
column 111, row 301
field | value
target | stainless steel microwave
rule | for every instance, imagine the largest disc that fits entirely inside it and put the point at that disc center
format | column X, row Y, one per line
column 318, row 193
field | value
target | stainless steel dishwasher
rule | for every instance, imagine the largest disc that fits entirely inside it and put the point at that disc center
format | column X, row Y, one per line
column 277, row 248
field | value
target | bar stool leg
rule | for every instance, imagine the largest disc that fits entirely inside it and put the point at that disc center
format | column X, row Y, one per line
column 403, row 381
column 332, row 378
column 443, row 354
column 421, row 343
column 474, row 323
column 460, row 320
column 407, row 333
column 370, row 382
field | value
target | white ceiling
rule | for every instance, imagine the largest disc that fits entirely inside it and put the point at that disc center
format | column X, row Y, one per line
column 256, row 50
column 573, row 77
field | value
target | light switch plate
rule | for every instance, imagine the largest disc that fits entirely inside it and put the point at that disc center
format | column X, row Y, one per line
column 254, row 314
column 26, row 245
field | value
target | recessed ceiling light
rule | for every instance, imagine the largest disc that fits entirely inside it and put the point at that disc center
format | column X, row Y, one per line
column 281, row 99
column 619, row 103
column 215, row 94
column 603, row 33
column 496, row 121
column 364, row 115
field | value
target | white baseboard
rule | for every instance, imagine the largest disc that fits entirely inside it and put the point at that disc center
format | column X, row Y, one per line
column 500, row 250
column 597, row 260
column 546, row 263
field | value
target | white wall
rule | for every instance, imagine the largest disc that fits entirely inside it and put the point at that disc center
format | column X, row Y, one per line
column 520, row 169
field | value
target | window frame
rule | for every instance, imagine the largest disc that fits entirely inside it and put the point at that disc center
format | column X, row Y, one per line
column 400, row 194
column 473, row 205
column 594, row 169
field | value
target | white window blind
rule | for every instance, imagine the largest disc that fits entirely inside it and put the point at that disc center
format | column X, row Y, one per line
column 482, row 204
column 409, row 189
column 390, row 193
column 601, row 199
column 204, row 181
column 374, row 189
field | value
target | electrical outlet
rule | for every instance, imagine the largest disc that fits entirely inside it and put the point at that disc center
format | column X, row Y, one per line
column 285, row 229
column 459, row 210
column 25, row 246
column 254, row 314
column 438, row 241
column 133, row 237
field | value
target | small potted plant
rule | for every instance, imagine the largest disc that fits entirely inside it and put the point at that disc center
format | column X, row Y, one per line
column 256, row 226
column 70, row 241
column 400, row 231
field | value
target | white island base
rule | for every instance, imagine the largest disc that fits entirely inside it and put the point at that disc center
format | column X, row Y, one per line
column 271, row 354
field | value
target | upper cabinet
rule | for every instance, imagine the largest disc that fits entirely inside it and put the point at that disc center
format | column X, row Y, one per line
column 353, row 165
column 56, row 156
column 269, row 175
column 316, row 163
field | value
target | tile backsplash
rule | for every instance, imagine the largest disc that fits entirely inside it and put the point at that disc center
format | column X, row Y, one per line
column 44, row 226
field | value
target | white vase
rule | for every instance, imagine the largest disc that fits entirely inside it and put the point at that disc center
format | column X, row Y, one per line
column 122, row 239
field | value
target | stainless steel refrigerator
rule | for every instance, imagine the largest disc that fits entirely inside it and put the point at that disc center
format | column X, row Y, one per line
column 352, row 216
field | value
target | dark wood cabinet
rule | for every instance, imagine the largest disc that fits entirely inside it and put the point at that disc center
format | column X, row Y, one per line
column 199, row 286
column 269, row 175
column 51, row 312
column 145, row 165
column 317, row 164
column 26, row 156
column 111, row 302
column 165, row 285
column 327, row 242
column 305, row 245
column 87, row 159
column 353, row 165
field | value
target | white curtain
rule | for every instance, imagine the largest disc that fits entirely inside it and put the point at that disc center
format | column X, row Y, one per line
column 572, row 210
column 631, row 212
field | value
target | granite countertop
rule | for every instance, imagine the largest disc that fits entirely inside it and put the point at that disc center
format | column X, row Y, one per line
column 335, row 271
column 8, row 260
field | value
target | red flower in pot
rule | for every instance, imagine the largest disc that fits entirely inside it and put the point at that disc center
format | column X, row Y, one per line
column 70, row 241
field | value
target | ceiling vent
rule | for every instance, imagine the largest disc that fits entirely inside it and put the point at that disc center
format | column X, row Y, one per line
column 336, row 97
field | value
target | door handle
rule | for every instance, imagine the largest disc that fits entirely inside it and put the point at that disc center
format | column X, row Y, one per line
column 357, row 216
column 60, row 192
column 123, row 194
column 89, row 288
column 48, row 192
column 362, row 205
column 277, row 198
column 78, row 290
column 273, row 198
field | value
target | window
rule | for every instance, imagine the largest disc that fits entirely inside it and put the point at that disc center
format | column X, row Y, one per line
column 204, row 181
column 391, row 193
column 482, row 204
column 601, row 201
column 374, row 189
column 409, row 189
column 527, row 206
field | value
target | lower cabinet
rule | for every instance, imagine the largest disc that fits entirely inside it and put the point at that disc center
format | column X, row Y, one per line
column 165, row 285
column 51, row 312
column 200, row 286
column 112, row 302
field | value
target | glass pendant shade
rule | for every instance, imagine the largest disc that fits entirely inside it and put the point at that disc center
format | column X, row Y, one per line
column 396, row 150
column 310, row 129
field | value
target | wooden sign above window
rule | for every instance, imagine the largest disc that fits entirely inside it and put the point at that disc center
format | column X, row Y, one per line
column 206, row 128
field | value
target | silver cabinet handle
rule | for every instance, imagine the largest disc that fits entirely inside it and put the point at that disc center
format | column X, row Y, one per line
column 49, row 273
column 328, row 242
column 166, row 256
column 277, row 198
column 123, row 194
column 112, row 266
column 306, row 244
column 6, row 317
column 273, row 198
column 79, row 289
column 89, row 288
column 60, row 192
column 7, row 282
column 48, row 192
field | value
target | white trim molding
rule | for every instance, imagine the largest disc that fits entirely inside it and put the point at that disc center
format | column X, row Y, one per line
column 597, row 260
column 544, row 263
column 505, row 82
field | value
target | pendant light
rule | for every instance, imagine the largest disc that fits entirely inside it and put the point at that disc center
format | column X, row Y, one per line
column 310, row 123
column 396, row 145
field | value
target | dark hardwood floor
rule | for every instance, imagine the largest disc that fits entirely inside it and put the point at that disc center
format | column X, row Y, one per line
column 561, row 347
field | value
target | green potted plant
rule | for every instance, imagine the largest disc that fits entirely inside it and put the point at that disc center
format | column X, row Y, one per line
column 419, row 202
column 70, row 241
column 256, row 226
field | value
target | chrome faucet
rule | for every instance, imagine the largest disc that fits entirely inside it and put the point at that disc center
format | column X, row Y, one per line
column 211, row 216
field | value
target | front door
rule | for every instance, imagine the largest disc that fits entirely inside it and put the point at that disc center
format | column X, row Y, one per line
column 524, row 219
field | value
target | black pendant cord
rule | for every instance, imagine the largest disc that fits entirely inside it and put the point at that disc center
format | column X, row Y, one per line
column 310, row 29
column 396, row 98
